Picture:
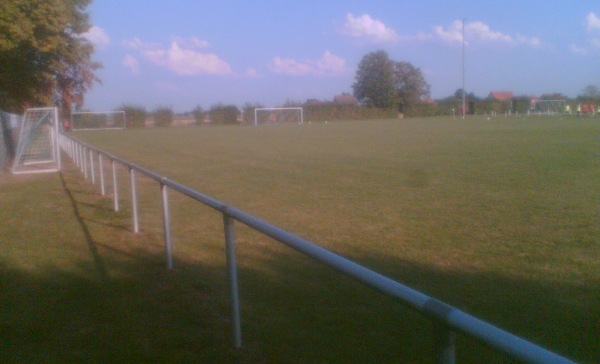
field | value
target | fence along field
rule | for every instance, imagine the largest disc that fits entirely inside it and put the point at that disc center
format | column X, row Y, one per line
column 497, row 218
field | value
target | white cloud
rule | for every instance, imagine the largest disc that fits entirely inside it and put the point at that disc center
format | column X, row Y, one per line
column 482, row 31
column 452, row 35
column 533, row 41
column 479, row 31
column 97, row 36
column 328, row 64
column 182, row 56
column 592, row 22
column 132, row 64
column 251, row 72
column 578, row 50
column 368, row 28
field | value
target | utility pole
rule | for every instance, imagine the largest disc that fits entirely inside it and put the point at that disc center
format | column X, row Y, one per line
column 464, row 95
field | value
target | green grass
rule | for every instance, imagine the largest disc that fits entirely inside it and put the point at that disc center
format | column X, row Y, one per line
column 499, row 218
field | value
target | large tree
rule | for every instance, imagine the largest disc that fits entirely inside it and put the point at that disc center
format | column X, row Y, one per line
column 374, row 84
column 410, row 84
column 44, row 59
column 590, row 92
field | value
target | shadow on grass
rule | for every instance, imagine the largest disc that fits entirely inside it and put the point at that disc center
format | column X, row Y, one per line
column 86, row 232
column 119, row 304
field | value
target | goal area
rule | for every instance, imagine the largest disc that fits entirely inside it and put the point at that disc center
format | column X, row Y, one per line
column 37, row 147
column 97, row 120
column 277, row 115
column 548, row 107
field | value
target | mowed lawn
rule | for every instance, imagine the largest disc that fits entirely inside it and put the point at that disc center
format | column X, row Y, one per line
column 500, row 218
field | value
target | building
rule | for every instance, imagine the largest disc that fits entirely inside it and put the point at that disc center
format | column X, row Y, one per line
column 501, row 95
column 345, row 99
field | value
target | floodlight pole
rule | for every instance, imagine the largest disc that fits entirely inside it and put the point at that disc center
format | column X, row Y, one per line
column 464, row 95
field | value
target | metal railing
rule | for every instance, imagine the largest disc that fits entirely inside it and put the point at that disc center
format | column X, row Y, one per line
column 447, row 320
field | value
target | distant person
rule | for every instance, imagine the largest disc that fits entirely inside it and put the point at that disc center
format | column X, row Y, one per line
column 67, row 125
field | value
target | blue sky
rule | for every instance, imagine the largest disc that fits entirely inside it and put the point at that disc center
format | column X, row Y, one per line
column 188, row 53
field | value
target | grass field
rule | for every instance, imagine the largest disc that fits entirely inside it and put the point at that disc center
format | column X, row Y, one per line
column 497, row 217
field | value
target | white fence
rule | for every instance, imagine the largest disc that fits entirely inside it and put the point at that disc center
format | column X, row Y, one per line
column 448, row 320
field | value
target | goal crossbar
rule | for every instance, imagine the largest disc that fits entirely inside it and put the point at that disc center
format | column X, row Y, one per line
column 94, row 120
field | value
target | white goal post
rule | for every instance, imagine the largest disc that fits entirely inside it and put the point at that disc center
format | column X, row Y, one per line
column 548, row 107
column 275, row 115
column 37, row 148
column 92, row 120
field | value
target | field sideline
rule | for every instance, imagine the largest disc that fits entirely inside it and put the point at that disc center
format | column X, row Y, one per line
column 497, row 217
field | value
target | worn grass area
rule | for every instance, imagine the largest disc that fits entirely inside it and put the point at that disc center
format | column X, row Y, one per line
column 499, row 218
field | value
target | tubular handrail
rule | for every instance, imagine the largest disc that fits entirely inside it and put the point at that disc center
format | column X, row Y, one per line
column 446, row 317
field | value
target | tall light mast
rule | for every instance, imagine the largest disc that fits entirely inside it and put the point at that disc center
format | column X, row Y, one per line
column 464, row 93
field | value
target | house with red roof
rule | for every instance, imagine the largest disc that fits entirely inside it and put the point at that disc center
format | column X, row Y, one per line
column 501, row 95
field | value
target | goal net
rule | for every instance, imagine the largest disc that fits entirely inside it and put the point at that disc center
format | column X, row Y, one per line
column 548, row 107
column 97, row 120
column 276, row 115
column 37, row 147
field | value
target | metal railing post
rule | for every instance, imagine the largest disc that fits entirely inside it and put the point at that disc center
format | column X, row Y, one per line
column 444, row 343
column 101, row 168
column 84, row 157
column 167, row 225
column 92, row 168
column 78, row 160
column 134, row 207
column 115, row 185
column 233, row 280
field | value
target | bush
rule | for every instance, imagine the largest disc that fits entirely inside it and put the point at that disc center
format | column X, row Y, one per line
column 199, row 115
column 331, row 111
column 135, row 116
column 163, row 116
column 248, row 112
column 224, row 114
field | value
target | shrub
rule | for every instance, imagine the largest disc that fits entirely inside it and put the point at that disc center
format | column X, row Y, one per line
column 135, row 116
column 248, row 112
column 163, row 116
column 224, row 114
column 199, row 115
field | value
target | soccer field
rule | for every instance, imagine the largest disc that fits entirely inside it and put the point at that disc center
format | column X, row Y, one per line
column 496, row 217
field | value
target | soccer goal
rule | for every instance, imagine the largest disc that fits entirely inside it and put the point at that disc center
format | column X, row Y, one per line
column 548, row 107
column 98, row 120
column 37, row 147
column 276, row 115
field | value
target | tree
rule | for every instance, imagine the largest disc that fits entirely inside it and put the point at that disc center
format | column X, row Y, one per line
column 374, row 84
column 590, row 92
column 163, row 116
column 224, row 114
column 199, row 115
column 410, row 84
column 135, row 116
column 44, row 59
column 248, row 112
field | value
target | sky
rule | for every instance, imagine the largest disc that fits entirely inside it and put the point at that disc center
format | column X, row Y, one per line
column 188, row 53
